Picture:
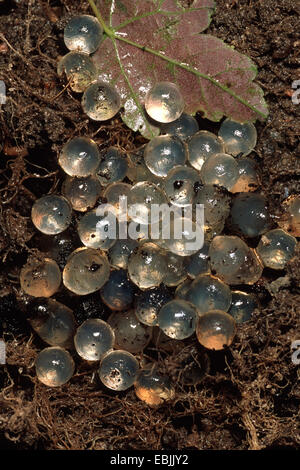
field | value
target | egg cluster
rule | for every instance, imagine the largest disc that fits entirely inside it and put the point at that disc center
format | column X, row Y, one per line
column 150, row 283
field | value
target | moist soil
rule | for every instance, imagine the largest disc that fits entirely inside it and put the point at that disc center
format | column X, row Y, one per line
column 247, row 396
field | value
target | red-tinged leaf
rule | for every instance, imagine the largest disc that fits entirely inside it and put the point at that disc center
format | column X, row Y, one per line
column 155, row 40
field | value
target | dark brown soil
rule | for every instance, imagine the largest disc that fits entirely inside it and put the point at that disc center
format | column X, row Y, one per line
column 250, row 397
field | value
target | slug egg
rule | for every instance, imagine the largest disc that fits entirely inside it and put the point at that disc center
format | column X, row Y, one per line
column 209, row 293
column 142, row 199
column 83, row 33
column 176, row 272
column 177, row 319
column 79, row 68
column 290, row 219
column 100, row 101
column 215, row 329
column 82, row 192
column 238, row 137
column 248, row 179
column 164, row 102
column 51, row 214
column 147, row 267
column 198, row 263
column 220, row 169
column 149, row 302
column 180, row 185
column 185, row 126
column 242, row 306
column 113, row 166
column 97, row 231
column 118, row 292
column 79, row 157
column 120, row 252
column 86, row 271
column 249, row 214
column 201, row 146
column 93, row 339
column 54, row 366
column 152, row 387
column 40, row 278
column 276, row 248
column 118, row 370
column 164, row 152
column 131, row 335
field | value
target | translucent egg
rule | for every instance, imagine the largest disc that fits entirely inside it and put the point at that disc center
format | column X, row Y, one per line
column 276, row 248
column 162, row 342
column 237, row 137
column 147, row 267
column 183, row 238
column 137, row 169
column 40, row 278
column 183, row 127
column 54, row 366
column 116, row 194
column 198, row 263
column 100, row 101
column 86, row 271
column 182, row 290
column 249, row 214
column 97, row 231
column 215, row 329
column 180, row 185
column 209, row 293
column 149, row 302
column 79, row 69
column 164, row 152
column 201, row 146
column 233, row 261
column 51, row 214
column 131, row 335
column 248, row 178
column 242, row 306
column 79, row 157
column 113, row 166
column 140, row 200
column 52, row 321
column 177, row 319
column 118, row 292
column 82, row 192
column 120, row 252
column 152, row 387
column 290, row 220
column 118, row 370
column 83, row 33
column 216, row 203
column 164, row 102
column 220, row 169
column 93, row 339
column 176, row 272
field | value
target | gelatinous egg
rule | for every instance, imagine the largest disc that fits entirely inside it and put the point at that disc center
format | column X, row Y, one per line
column 164, row 102
column 118, row 370
column 143, row 200
column 54, row 366
column 181, row 236
column 113, row 166
column 209, row 293
column 147, row 266
column 131, row 335
column 119, row 253
column 198, row 263
column 100, row 101
column 233, row 261
column 290, row 220
column 176, row 272
column 149, row 302
column 79, row 68
column 83, row 33
column 237, row 137
column 82, row 192
column 86, row 271
column 137, row 169
column 98, row 231
column 216, row 202
column 118, row 292
column 93, row 339
column 40, row 278
column 220, row 169
column 79, row 157
column 201, row 146
column 276, row 248
column 215, row 329
column 152, row 387
column 183, row 127
column 51, row 214
column 116, row 194
column 177, row 319
column 180, row 185
column 52, row 321
column 242, row 306
column 164, row 152
column 182, row 290
column 249, row 214
column 162, row 342
column 248, row 178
